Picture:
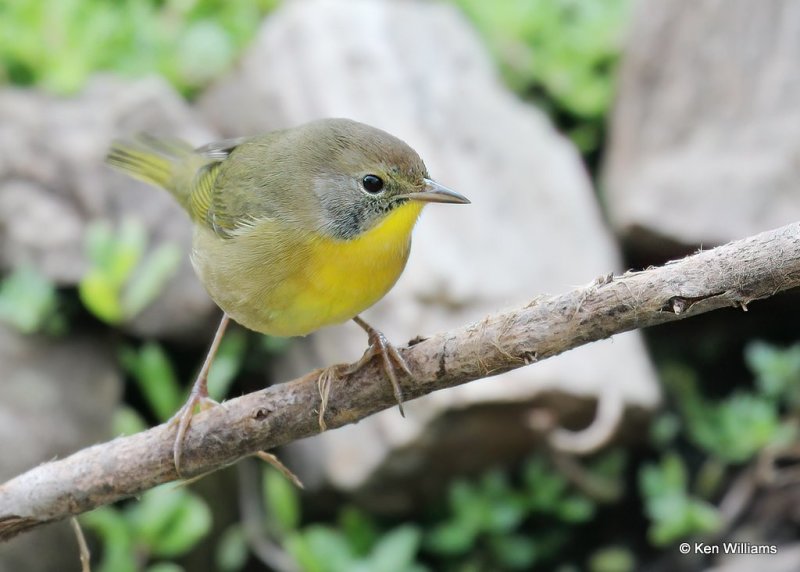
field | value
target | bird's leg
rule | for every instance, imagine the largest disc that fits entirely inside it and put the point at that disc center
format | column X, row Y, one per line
column 197, row 397
column 378, row 346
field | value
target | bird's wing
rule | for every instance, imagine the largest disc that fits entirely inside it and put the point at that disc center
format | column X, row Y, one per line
column 207, row 202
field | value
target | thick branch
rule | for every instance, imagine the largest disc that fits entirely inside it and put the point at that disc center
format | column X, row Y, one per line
column 731, row 275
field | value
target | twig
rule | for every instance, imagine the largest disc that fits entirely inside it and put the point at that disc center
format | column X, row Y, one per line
column 610, row 410
column 82, row 546
column 732, row 275
column 251, row 510
column 280, row 467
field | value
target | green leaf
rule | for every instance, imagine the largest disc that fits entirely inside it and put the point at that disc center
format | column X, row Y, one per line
column 99, row 244
column 467, row 504
column 451, row 538
column 204, row 51
column 300, row 549
column 117, row 537
column 733, row 429
column 128, row 247
column 612, row 559
column 514, row 551
column 672, row 512
column 150, row 278
column 359, row 529
column 505, row 513
column 227, row 363
column 576, row 508
column 101, row 296
column 170, row 521
column 665, row 429
column 282, row 500
column 232, row 550
column 777, row 370
column 544, row 487
column 116, row 286
column 155, row 376
column 28, row 300
column 396, row 550
column 737, row 428
column 330, row 549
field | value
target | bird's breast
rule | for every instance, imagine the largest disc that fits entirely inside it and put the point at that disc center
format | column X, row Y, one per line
column 344, row 277
column 290, row 283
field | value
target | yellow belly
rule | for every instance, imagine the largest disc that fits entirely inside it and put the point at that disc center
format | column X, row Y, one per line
column 308, row 283
column 345, row 277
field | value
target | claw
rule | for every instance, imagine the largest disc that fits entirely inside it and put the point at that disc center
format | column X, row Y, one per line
column 183, row 418
column 378, row 346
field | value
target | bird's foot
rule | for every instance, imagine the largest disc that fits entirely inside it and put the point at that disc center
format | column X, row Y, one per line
column 379, row 346
column 391, row 362
column 198, row 398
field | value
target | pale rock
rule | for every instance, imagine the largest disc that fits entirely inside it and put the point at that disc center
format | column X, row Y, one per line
column 418, row 71
column 53, row 183
column 704, row 143
column 56, row 396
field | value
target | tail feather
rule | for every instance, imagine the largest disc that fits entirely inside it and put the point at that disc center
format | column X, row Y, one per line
column 152, row 160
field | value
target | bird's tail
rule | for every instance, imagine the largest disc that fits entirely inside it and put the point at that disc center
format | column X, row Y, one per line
column 153, row 160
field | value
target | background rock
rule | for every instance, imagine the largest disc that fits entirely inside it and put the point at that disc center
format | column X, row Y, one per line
column 704, row 143
column 417, row 71
column 56, row 396
column 53, row 182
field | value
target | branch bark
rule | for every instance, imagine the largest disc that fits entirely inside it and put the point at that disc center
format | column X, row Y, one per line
column 731, row 275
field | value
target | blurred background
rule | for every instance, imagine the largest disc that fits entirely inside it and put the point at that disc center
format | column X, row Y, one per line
column 592, row 136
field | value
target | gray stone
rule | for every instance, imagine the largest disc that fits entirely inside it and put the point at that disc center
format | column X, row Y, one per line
column 56, row 396
column 53, row 183
column 704, row 142
column 418, row 71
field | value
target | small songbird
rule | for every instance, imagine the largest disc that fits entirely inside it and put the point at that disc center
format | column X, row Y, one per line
column 293, row 230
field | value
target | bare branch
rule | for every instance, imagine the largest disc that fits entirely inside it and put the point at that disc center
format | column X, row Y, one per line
column 731, row 275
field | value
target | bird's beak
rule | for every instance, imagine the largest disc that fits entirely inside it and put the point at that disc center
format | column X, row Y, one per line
column 436, row 193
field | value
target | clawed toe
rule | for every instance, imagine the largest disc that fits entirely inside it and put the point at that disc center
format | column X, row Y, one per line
column 324, row 382
column 379, row 346
column 182, row 419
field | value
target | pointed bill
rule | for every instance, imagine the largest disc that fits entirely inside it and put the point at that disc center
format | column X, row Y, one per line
column 436, row 193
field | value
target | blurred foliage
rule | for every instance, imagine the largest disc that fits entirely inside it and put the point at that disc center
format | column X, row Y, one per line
column 733, row 429
column 57, row 44
column 612, row 559
column 494, row 522
column 673, row 512
column 121, row 280
column 166, row 522
column 29, row 302
column 729, row 431
column 559, row 53
column 777, row 372
column 152, row 370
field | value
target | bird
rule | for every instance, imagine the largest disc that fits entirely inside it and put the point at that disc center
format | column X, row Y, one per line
column 293, row 230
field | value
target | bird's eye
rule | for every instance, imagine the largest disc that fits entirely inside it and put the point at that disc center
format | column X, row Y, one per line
column 372, row 183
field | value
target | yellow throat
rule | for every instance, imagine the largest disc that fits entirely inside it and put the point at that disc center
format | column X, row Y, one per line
column 344, row 277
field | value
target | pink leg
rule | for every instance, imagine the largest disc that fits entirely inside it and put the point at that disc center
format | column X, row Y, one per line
column 197, row 397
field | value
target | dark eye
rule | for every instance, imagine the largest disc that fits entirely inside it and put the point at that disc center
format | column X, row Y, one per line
column 372, row 183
